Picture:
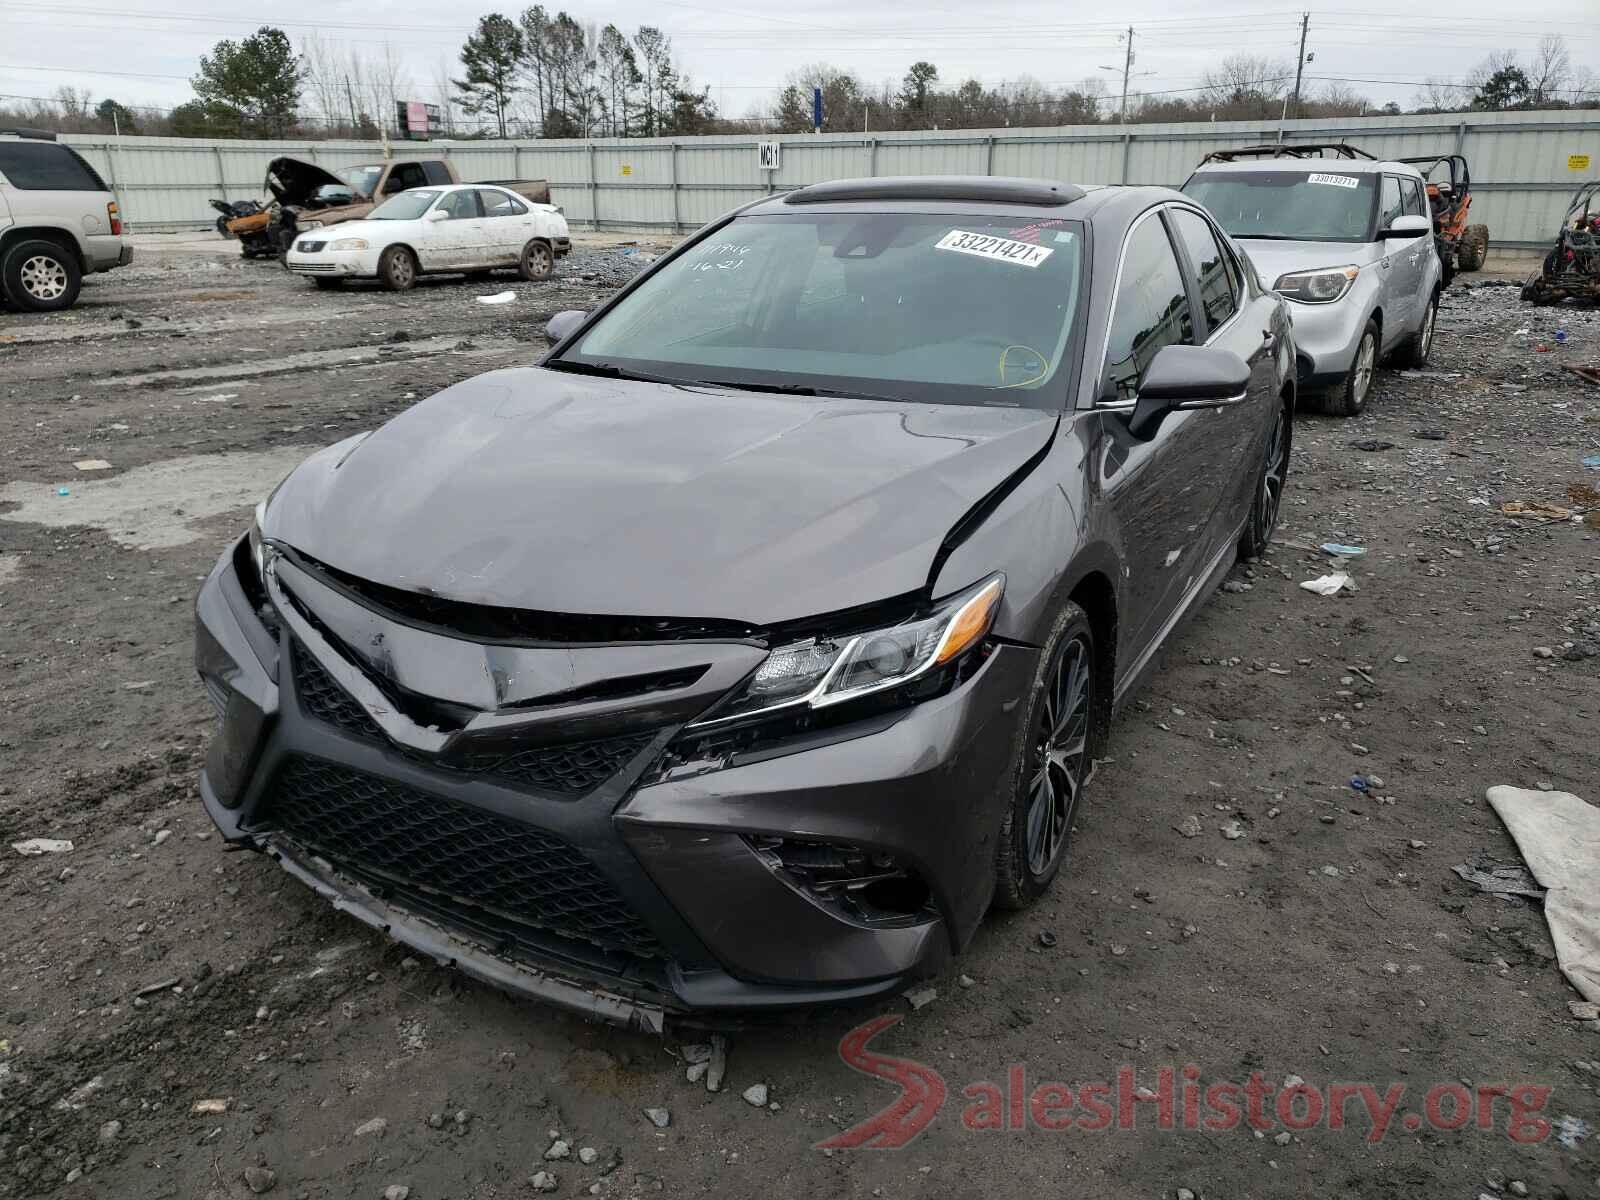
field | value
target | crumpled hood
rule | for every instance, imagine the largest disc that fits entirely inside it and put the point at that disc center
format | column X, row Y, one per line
column 555, row 492
column 293, row 180
column 1274, row 260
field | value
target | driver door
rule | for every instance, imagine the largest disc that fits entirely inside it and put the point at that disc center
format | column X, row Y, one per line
column 452, row 244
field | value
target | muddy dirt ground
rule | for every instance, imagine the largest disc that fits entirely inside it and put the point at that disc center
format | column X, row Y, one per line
column 1326, row 938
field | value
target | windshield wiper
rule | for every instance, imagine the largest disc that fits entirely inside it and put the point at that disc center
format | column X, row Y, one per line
column 798, row 389
column 1274, row 237
column 611, row 371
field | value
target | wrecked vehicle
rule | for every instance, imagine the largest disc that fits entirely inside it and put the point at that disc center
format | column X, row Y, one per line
column 306, row 196
column 1571, row 270
column 746, row 651
column 466, row 228
column 1347, row 239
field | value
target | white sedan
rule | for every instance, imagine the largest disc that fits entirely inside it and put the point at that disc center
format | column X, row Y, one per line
column 463, row 227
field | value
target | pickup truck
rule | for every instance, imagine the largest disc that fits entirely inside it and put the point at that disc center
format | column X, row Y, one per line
column 307, row 196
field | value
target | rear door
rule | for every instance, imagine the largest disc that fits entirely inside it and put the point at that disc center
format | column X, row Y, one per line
column 1414, row 199
column 1162, row 492
column 507, row 225
column 1240, row 321
column 50, row 185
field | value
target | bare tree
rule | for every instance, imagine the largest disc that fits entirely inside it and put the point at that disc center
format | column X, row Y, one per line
column 1550, row 70
column 1440, row 95
column 1246, row 86
column 1488, row 67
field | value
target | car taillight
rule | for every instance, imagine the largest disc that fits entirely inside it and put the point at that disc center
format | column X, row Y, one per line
column 114, row 215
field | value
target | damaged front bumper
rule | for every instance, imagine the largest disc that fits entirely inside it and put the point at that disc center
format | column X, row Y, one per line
column 683, row 888
column 337, row 264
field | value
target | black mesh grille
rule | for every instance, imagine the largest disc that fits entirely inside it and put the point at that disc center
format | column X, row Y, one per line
column 571, row 769
column 464, row 854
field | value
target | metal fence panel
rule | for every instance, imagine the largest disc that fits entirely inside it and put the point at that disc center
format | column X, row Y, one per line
column 1519, row 164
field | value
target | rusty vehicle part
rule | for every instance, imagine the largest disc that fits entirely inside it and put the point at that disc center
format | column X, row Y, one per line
column 306, row 196
column 1462, row 247
column 230, row 210
column 1571, row 271
column 1587, row 374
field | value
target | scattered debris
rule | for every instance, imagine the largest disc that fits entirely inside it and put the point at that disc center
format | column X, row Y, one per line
column 587, row 1155
column 37, row 846
column 921, row 997
column 166, row 985
column 1339, row 550
column 1501, row 881
column 498, row 298
column 558, row 1149
column 1189, row 826
column 1329, row 585
column 1537, row 509
column 377, row 1126
column 756, row 1095
column 1432, row 435
column 1232, row 830
column 542, row 1181
column 1584, row 1010
column 659, row 1117
column 1372, row 445
column 719, row 1062
column 208, row 1108
column 1047, row 939
column 260, row 1179
column 1587, row 374
column 92, row 464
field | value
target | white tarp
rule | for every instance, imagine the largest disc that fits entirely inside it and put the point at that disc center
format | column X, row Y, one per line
column 1559, row 837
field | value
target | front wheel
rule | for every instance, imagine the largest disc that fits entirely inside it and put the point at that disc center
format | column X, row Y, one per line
column 398, row 269
column 1059, row 731
column 1269, row 487
column 1350, row 398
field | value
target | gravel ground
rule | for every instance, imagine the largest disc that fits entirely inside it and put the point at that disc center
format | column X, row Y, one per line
column 177, row 1021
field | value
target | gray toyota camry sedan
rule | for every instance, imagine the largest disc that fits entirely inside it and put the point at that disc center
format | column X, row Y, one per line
column 743, row 653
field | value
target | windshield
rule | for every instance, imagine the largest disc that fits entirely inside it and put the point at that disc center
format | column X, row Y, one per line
column 1305, row 206
column 407, row 206
column 953, row 308
column 361, row 179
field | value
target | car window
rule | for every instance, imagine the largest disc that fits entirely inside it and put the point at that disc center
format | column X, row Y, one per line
column 462, row 205
column 1390, row 202
column 1414, row 203
column 436, row 171
column 407, row 206
column 1151, row 311
column 1218, row 293
column 46, row 167
column 403, row 176
column 959, row 308
column 500, row 204
column 1287, row 205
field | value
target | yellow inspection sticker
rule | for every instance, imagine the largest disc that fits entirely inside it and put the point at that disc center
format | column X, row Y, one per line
column 1021, row 254
column 1577, row 162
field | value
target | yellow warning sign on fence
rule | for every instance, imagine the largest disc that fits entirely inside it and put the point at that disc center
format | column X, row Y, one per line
column 627, row 168
column 1577, row 162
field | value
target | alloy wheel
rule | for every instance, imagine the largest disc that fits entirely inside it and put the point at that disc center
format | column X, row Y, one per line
column 1273, row 475
column 43, row 278
column 1366, row 357
column 1061, row 743
column 1427, row 329
column 402, row 269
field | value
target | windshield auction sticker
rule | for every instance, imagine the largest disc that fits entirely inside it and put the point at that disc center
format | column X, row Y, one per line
column 1000, row 249
column 1334, row 180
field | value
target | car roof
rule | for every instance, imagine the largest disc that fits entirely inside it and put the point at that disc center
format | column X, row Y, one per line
column 963, row 194
column 1331, row 166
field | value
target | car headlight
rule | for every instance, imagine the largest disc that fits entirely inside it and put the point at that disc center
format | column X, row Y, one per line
column 824, row 671
column 258, row 541
column 349, row 244
column 308, row 224
column 1317, row 287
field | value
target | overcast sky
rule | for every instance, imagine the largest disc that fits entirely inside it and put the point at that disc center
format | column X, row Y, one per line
column 144, row 51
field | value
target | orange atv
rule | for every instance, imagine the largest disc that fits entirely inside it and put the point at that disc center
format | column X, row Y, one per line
column 1462, row 247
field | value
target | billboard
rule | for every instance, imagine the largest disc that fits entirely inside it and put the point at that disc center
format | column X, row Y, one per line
column 416, row 120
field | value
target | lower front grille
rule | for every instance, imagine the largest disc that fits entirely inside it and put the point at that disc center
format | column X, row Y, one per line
column 301, row 268
column 453, row 852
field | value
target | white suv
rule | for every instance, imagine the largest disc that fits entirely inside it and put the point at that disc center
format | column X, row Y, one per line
column 1345, row 237
column 58, row 222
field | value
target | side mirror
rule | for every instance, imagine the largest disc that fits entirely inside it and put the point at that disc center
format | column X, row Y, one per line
column 1408, row 226
column 436, row 214
column 1181, row 377
column 561, row 326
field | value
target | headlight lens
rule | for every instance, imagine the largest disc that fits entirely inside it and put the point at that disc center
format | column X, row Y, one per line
column 350, row 244
column 1317, row 287
column 821, row 672
column 258, row 543
column 308, row 224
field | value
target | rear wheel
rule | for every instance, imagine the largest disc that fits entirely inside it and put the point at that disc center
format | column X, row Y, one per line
column 398, row 269
column 40, row 276
column 538, row 261
column 1056, row 754
column 1474, row 247
column 1350, row 398
column 1414, row 353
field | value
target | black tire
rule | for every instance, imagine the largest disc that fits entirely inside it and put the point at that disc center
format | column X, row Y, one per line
column 222, row 226
column 1264, row 509
column 1064, row 706
column 328, row 283
column 538, row 261
column 398, row 269
column 40, row 276
column 1474, row 247
column 1350, row 397
column 1414, row 351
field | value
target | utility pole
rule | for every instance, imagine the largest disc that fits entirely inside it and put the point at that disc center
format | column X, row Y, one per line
column 1127, row 70
column 1300, row 62
column 355, row 127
